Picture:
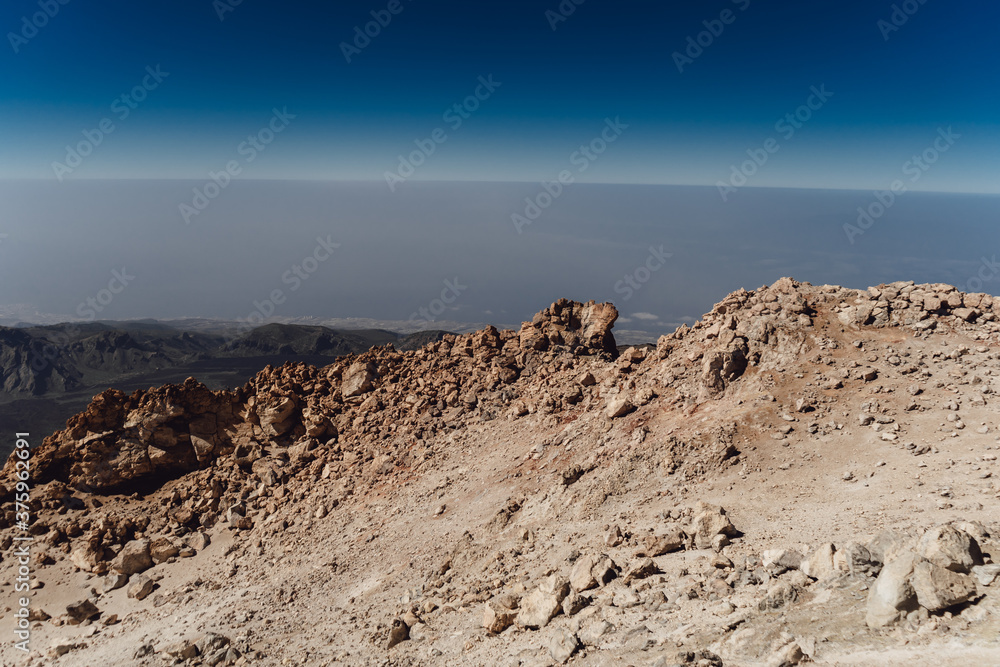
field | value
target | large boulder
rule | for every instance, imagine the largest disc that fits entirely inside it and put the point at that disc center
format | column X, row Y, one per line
column 498, row 615
column 892, row 595
column 358, row 379
column 709, row 521
column 134, row 557
column 938, row 588
column 581, row 577
column 543, row 604
column 951, row 548
column 80, row 612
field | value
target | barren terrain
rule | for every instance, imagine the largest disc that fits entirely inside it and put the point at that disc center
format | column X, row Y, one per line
column 806, row 474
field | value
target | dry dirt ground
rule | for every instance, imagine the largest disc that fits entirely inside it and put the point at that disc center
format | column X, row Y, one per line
column 841, row 433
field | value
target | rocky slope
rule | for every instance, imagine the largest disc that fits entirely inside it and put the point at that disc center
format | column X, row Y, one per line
column 535, row 497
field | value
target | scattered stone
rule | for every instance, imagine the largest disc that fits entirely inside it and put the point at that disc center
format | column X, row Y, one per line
column 133, row 558
column 562, row 645
column 581, row 577
column 182, row 650
column 624, row 597
column 819, row 564
column 140, row 586
column 358, row 379
column 986, row 574
column 541, row 605
column 162, row 549
column 938, row 588
column 782, row 559
column 663, row 544
column 81, row 612
column 950, row 548
column 113, row 581
column 398, row 633
column 892, row 596
column 574, row 603
column 709, row 521
column 645, row 568
column 619, row 406
column 197, row 540
column 497, row 617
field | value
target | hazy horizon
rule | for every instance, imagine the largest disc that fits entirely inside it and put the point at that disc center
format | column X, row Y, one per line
column 390, row 255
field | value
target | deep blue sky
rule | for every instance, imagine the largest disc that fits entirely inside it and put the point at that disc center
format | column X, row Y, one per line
column 123, row 204
column 608, row 59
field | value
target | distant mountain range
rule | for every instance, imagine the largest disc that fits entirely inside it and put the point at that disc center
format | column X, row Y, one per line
column 42, row 360
column 49, row 373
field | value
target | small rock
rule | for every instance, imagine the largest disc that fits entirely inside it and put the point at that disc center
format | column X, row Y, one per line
column 619, row 406
column 590, row 634
column 819, row 564
column 140, row 586
column 399, row 632
column 497, row 617
column 182, row 650
column 581, row 577
column 574, row 604
column 162, row 549
column 624, row 597
column 783, row 559
column 80, row 612
column 197, row 540
column 986, row 574
column 709, row 521
column 663, row 544
column 645, row 568
column 562, row 644
column 541, row 605
column 113, row 581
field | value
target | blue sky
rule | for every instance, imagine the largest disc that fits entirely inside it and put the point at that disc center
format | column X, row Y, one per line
column 892, row 89
column 530, row 150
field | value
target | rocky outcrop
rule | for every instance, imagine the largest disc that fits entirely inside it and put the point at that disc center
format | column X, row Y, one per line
column 123, row 439
column 581, row 328
column 120, row 441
